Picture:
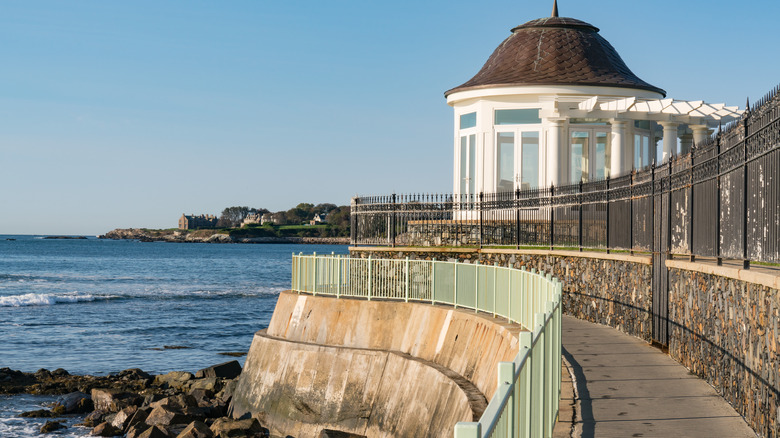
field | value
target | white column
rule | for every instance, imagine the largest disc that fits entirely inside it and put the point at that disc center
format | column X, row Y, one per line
column 616, row 167
column 670, row 140
column 686, row 141
column 554, row 147
column 700, row 134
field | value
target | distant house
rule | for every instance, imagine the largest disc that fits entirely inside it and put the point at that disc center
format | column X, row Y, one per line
column 193, row 222
column 255, row 218
column 318, row 219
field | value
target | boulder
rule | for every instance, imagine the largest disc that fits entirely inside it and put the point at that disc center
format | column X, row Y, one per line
column 75, row 403
column 59, row 372
column 174, row 379
column 38, row 413
column 225, row 428
column 153, row 432
column 139, row 417
column 201, row 395
column 212, row 384
column 226, row 370
column 135, row 374
column 114, row 400
column 165, row 416
column 176, row 402
column 105, row 429
column 122, row 418
column 227, row 392
column 94, row 418
column 136, row 430
column 196, row 429
column 51, row 426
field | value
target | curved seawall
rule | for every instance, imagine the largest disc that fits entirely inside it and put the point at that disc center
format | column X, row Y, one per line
column 375, row 368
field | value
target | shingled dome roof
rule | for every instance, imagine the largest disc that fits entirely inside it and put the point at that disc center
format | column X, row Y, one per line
column 555, row 51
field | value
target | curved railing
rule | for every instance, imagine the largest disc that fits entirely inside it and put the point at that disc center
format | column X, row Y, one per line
column 525, row 403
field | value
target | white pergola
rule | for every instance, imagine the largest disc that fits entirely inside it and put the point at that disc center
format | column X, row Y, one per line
column 669, row 113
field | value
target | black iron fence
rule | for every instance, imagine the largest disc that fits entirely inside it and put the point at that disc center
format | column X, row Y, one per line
column 721, row 200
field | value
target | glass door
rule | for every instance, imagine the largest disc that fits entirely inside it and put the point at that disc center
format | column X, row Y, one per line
column 517, row 160
column 468, row 164
column 589, row 154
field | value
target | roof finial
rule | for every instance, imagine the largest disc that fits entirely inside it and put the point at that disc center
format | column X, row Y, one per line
column 555, row 9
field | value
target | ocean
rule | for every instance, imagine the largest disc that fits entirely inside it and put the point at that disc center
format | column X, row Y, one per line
column 101, row 306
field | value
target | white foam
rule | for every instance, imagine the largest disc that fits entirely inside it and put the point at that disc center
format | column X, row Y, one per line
column 43, row 299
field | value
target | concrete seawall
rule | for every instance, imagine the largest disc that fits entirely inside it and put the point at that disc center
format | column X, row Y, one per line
column 375, row 368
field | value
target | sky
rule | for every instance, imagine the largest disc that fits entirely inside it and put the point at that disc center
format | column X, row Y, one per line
column 128, row 114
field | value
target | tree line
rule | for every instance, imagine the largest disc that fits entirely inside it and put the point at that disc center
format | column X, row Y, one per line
column 336, row 217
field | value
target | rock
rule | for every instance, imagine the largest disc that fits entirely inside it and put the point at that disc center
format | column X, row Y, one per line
column 114, row 399
column 94, row 418
column 105, row 429
column 196, row 429
column 226, row 370
column 40, row 413
column 208, row 383
column 43, row 374
column 174, row 379
column 201, row 395
column 51, row 426
column 122, row 418
column 153, row 432
column 136, row 430
column 330, row 433
column 135, row 374
column 227, row 392
column 166, row 416
column 176, row 402
column 225, row 427
column 59, row 372
column 139, row 417
column 75, row 403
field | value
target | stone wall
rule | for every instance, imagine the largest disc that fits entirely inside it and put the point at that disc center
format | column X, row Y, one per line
column 609, row 289
column 725, row 330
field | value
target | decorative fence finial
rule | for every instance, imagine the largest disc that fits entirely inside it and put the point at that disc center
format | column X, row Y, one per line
column 555, row 9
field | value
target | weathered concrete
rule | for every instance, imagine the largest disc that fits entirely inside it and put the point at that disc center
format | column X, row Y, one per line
column 467, row 343
column 627, row 388
column 299, row 388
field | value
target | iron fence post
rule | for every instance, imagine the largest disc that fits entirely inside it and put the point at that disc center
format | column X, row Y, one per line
column 579, row 198
column 517, row 218
column 552, row 216
column 631, row 212
column 745, row 260
column 606, row 225
column 392, row 221
column 481, row 200
column 717, row 190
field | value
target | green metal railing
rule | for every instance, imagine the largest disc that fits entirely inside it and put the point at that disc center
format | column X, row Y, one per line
column 525, row 403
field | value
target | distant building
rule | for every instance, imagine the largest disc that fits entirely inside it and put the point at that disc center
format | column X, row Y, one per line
column 193, row 222
column 318, row 219
column 255, row 218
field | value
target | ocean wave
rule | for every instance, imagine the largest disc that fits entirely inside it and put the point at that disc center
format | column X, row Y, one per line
column 47, row 299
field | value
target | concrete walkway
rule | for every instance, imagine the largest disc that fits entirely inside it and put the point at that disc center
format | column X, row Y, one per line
column 626, row 388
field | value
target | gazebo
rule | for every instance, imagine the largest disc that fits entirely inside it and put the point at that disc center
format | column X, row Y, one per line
column 555, row 104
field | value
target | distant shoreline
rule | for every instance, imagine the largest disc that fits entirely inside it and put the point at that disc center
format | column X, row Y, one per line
column 212, row 236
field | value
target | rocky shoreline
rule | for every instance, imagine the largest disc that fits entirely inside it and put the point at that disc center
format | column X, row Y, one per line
column 202, row 236
column 135, row 404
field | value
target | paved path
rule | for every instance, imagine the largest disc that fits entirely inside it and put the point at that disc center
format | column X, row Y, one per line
column 626, row 388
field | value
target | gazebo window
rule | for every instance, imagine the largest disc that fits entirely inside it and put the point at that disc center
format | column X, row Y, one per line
column 517, row 116
column 468, row 120
column 517, row 160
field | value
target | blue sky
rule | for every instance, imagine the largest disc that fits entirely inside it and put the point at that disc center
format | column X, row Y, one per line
column 127, row 114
